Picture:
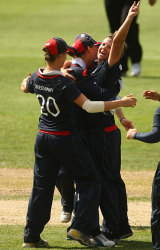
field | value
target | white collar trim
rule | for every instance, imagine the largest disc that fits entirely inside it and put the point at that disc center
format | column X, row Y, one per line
column 50, row 73
column 79, row 61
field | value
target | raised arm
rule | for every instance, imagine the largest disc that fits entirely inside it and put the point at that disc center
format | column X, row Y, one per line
column 119, row 39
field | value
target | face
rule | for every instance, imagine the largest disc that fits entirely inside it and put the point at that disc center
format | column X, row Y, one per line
column 92, row 53
column 104, row 49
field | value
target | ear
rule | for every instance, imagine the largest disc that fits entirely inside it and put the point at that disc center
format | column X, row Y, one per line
column 89, row 50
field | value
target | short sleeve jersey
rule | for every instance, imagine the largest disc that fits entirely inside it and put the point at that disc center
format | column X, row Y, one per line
column 55, row 94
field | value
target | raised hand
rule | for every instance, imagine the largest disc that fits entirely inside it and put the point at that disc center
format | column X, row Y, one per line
column 134, row 10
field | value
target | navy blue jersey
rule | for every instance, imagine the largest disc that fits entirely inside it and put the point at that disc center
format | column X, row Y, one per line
column 94, row 92
column 105, row 75
column 90, row 86
column 154, row 135
column 55, row 94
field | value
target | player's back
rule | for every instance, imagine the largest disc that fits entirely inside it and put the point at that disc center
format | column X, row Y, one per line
column 55, row 94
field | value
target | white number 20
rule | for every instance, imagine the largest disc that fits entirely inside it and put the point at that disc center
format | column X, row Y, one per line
column 43, row 104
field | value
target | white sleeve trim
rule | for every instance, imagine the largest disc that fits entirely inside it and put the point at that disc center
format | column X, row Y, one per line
column 93, row 106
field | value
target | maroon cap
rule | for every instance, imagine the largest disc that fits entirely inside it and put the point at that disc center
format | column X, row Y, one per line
column 82, row 41
column 57, row 46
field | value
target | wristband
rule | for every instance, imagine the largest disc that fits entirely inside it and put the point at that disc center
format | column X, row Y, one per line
column 122, row 119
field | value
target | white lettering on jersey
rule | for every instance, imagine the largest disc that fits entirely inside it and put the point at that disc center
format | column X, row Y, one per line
column 43, row 88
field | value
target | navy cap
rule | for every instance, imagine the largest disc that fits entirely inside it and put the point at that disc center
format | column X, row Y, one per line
column 56, row 46
column 82, row 41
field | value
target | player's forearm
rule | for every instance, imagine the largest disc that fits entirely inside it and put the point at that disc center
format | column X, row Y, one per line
column 124, row 102
column 121, row 34
column 148, row 137
column 119, row 114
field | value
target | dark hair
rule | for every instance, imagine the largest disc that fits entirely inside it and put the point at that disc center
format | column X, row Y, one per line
column 75, row 53
column 48, row 56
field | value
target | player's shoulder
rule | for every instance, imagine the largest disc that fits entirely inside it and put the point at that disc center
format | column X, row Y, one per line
column 76, row 67
column 63, row 81
column 34, row 74
column 77, row 71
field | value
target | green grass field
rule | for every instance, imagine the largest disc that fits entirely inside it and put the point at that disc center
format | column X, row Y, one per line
column 57, row 239
column 24, row 28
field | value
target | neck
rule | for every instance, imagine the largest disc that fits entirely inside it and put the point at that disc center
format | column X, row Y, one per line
column 86, row 59
column 51, row 67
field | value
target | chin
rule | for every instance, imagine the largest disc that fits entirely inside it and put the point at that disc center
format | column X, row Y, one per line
column 102, row 58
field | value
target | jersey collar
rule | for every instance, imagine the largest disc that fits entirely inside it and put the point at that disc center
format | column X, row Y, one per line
column 79, row 61
column 50, row 73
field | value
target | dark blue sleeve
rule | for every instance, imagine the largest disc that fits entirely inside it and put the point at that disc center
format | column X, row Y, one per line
column 113, row 73
column 77, row 72
column 31, row 81
column 71, row 91
column 111, row 77
column 107, row 77
column 154, row 135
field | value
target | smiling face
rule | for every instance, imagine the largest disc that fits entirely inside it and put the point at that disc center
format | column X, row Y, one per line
column 104, row 49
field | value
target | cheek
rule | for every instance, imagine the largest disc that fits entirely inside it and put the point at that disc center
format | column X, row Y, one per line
column 107, row 51
column 96, row 51
column 99, row 49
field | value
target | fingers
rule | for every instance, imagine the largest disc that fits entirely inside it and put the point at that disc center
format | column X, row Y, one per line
column 138, row 4
column 134, row 100
column 147, row 97
column 131, row 133
column 68, row 70
column 71, row 77
column 135, row 6
column 146, row 92
column 130, row 95
column 26, row 79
